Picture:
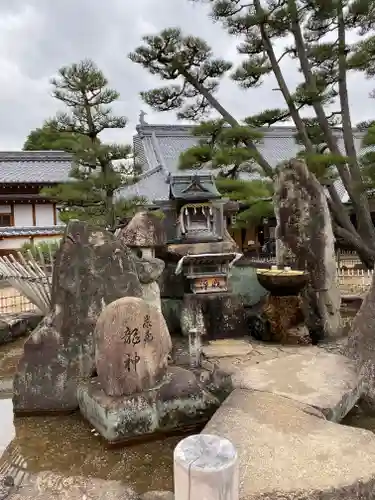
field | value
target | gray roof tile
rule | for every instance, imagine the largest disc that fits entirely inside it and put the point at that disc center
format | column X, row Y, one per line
column 277, row 145
column 34, row 166
column 31, row 230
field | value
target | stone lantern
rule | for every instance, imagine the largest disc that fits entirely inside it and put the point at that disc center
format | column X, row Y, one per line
column 144, row 234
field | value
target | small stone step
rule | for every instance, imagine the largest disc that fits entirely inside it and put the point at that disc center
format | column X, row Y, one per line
column 326, row 381
column 289, row 451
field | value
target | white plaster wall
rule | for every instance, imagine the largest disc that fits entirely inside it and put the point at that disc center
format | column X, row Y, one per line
column 5, row 209
column 13, row 243
column 23, row 215
column 44, row 215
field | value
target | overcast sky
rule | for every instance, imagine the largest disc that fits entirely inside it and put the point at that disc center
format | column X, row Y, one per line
column 39, row 36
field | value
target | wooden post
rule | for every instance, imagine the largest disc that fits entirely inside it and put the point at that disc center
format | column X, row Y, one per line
column 205, row 467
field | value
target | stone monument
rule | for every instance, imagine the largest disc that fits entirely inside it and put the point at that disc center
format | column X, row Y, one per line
column 135, row 393
column 305, row 239
column 92, row 269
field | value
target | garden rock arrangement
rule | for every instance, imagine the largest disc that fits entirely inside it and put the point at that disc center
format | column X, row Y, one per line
column 135, row 393
column 92, row 269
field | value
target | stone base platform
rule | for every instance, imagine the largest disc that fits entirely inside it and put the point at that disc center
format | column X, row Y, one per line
column 217, row 315
column 182, row 401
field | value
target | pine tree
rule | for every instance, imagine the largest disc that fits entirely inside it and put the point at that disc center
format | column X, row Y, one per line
column 223, row 148
column 84, row 91
column 319, row 33
column 49, row 138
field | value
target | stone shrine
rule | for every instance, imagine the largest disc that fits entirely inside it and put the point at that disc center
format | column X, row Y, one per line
column 135, row 393
column 199, row 243
column 305, row 240
column 92, row 269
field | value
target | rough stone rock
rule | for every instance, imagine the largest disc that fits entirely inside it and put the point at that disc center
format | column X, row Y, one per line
column 13, row 326
column 92, row 269
column 145, row 230
column 328, row 382
column 282, row 315
column 305, row 237
column 132, row 344
column 179, row 402
column 215, row 315
column 288, row 451
column 361, row 344
column 151, row 294
column 48, row 486
column 149, row 269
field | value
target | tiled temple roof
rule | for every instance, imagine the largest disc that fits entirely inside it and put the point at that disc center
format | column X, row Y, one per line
column 34, row 167
column 31, row 230
column 158, row 148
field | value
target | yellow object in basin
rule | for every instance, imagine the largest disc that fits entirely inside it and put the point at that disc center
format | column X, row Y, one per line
column 280, row 272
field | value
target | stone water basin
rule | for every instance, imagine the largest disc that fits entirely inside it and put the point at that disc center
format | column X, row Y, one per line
column 66, row 444
column 282, row 282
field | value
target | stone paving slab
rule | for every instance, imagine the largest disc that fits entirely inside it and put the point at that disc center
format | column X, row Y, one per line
column 289, row 451
column 326, row 381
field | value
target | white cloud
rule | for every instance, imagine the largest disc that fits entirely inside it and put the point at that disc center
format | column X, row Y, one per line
column 39, row 36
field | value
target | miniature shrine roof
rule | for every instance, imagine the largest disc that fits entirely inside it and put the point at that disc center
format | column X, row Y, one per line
column 158, row 148
column 197, row 186
column 34, row 167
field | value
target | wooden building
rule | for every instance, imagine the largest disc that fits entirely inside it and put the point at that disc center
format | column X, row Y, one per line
column 25, row 215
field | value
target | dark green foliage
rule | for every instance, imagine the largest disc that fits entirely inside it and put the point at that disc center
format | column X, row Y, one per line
column 98, row 172
column 48, row 137
column 316, row 35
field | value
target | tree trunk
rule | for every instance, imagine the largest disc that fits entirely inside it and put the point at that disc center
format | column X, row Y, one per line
column 268, row 170
column 360, row 205
column 365, row 225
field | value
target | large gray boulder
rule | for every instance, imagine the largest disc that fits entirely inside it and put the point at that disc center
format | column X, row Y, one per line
column 92, row 269
column 361, row 345
column 305, row 237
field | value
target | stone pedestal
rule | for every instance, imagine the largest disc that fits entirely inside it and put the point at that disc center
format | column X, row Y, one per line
column 214, row 315
column 178, row 403
column 285, row 320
